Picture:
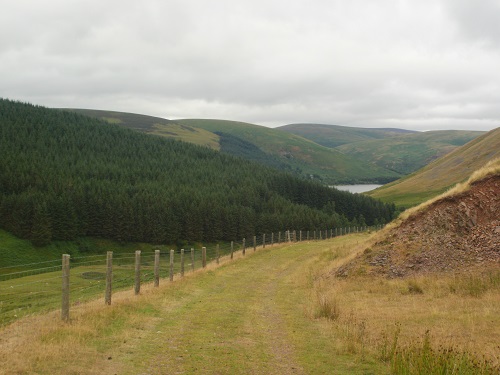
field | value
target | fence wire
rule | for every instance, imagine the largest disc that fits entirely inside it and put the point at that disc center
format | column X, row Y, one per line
column 36, row 287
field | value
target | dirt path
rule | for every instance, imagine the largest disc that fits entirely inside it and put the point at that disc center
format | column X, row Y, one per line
column 230, row 320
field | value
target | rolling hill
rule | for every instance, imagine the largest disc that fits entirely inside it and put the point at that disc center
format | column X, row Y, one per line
column 399, row 150
column 336, row 135
column 153, row 125
column 300, row 154
column 442, row 173
column 267, row 146
column 409, row 152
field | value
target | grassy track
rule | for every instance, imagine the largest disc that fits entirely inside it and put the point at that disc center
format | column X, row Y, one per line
column 278, row 311
column 247, row 317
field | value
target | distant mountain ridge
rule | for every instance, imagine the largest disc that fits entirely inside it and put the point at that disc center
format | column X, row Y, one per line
column 332, row 154
column 399, row 150
column 409, row 152
column 271, row 147
column 336, row 135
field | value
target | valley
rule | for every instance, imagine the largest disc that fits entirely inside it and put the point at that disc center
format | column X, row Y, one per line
column 419, row 296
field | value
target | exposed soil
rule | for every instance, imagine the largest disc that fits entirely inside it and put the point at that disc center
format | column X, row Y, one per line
column 454, row 234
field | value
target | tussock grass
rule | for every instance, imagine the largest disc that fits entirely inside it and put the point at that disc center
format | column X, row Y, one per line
column 475, row 284
column 422, row 358
column 327, row 307
column 414, row 288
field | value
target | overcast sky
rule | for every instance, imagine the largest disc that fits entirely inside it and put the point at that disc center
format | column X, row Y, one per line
column 414, row 64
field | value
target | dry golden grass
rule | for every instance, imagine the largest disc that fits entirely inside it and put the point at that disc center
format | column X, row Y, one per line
column 459, row 311
column 358, row 318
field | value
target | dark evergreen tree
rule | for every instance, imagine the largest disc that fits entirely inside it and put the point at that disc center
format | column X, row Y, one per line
column 65, row 175
column 41, row 230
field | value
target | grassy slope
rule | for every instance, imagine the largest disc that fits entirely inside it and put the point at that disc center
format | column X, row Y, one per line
column 296, row 151
column 336, row 135
column 187, row 134
column 410, row 152
column 201, row 324
column 16, row 253
column 443, row 173
column 131, row 120
column 155, row 125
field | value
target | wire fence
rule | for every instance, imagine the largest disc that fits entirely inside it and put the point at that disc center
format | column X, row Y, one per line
column 40, row 287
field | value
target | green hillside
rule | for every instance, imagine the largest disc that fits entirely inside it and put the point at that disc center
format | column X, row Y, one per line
column 267, row 146
column 64, row 176
column 442, row 173
column 407, row 153
column 154, row 125
column 335, row 135
column 299, row 154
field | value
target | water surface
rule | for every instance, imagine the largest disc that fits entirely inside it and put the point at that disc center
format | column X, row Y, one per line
column 357, row 188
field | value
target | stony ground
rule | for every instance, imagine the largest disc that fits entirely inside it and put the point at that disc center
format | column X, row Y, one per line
column 455, row 234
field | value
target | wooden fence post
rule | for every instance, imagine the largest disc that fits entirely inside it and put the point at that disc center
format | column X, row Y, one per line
column 217, row 255
column 65, row 288
column 157, row 269
column 137, row 284
column 300, row 236
column 264, row 241
column 279, row 237
column 308, row 235
column 254, row 243
column 171, row 271
column 232, row 249
column 137, row 281
column 109, row 277
column 272, row 239
column 244, row 246
column 204, row 257
column 192, row 259
column 182, row 262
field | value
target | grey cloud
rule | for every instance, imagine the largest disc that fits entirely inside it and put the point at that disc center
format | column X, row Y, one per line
column 477, row 20
column 397, row 63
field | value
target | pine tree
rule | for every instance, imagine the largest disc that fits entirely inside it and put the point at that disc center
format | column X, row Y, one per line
column 41, row 231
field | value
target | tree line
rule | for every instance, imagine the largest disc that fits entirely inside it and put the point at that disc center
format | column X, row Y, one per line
column 64, row 176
